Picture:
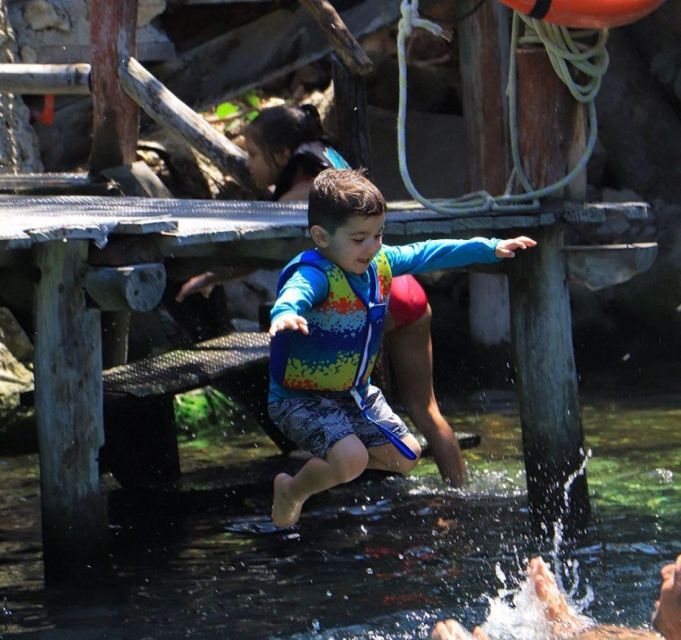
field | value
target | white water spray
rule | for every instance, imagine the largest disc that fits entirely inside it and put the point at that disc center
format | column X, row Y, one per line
column 516, row 613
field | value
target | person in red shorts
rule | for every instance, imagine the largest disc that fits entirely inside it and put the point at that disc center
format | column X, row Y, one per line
column 408, row 344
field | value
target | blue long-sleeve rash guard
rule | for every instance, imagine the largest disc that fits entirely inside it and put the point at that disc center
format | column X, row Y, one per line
column 308, row 286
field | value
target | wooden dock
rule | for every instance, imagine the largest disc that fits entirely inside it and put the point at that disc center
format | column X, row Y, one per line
column 80, row 252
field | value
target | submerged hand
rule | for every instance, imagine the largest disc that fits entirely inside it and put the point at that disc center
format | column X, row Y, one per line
column 289, row 322
column 506, row 248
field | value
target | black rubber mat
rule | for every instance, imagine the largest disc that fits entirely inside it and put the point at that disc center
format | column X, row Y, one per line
column 185, row 369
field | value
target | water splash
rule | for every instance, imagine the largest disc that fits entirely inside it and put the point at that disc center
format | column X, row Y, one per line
column 571, row 566
column 516, row 613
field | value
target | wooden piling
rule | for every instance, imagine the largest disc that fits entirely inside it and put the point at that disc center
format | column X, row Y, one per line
column 68, row 404
column 115, row 115
column 343, row 42
column 551, row 130
column 484, row 59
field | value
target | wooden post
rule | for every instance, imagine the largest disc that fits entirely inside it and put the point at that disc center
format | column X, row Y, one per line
column 115, row 115
column 350, row 95
column 343, row 42
column 68, row 404
column 42, row 79
column 541, row 321
column 551, row 124
column 553, row 442
column 484, row 58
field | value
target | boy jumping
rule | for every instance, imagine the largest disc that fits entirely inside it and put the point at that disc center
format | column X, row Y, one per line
column 326, row 327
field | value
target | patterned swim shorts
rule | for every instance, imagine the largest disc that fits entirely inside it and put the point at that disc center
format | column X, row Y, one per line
column 316, row 422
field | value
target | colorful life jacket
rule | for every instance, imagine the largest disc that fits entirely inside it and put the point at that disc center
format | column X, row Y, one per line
column 344, row 331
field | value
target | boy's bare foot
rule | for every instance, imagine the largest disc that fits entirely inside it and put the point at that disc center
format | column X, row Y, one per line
column 285, row 510
column 564, row 620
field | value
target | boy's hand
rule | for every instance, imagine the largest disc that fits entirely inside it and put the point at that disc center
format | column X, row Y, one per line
column 506, row 248
column 289, row 322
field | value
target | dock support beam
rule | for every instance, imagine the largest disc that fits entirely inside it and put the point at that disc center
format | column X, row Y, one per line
column 541, row 329
column 550, row 142
column 68, row 404
column 484, row 59
column 115, row 115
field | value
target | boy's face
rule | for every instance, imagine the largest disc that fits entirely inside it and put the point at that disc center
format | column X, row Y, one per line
column 353, row 245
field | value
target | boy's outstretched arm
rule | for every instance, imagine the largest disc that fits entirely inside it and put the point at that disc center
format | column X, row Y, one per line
column 506, row 248
column 289, row 322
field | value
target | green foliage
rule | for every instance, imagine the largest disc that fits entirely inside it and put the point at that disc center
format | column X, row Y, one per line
column 225, row 109
column 246, row 106
column 208, row 415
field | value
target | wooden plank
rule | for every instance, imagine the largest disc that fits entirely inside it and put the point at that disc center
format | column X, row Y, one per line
column 51, row 183
column 115, row 115
column 42, row 79
column 185, row 369
column 182, row 122
column 600, row 266
column 68, row 402
column 229, row 220
column 348, row 49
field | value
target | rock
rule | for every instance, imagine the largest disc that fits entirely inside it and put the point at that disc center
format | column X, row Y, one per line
column 59, row 31
column 14, row 377
column 13, row 337
column 28, row 55
column 18, row 143
column 41, row 15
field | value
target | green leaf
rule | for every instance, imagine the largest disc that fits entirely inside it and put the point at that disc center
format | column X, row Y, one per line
column 226, row 109
column 251, row 97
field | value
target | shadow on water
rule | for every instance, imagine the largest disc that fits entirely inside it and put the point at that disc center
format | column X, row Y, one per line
column 379, row 558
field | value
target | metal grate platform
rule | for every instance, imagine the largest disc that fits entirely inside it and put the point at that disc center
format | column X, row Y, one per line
column 185, row 369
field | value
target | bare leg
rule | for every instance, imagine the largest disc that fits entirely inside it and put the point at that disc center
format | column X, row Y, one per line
column 388, row 458
column 346, row 460
column 411, row 351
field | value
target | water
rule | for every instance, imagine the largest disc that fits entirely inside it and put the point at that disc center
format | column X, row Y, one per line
column 381, row 558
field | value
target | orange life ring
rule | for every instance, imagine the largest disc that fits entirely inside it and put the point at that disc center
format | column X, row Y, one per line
column 589, row 14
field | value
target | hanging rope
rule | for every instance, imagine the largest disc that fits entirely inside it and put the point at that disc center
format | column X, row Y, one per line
column 567, row 50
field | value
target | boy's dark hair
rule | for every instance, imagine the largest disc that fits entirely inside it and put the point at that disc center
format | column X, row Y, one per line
column 337, row 194
column 286, row 127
